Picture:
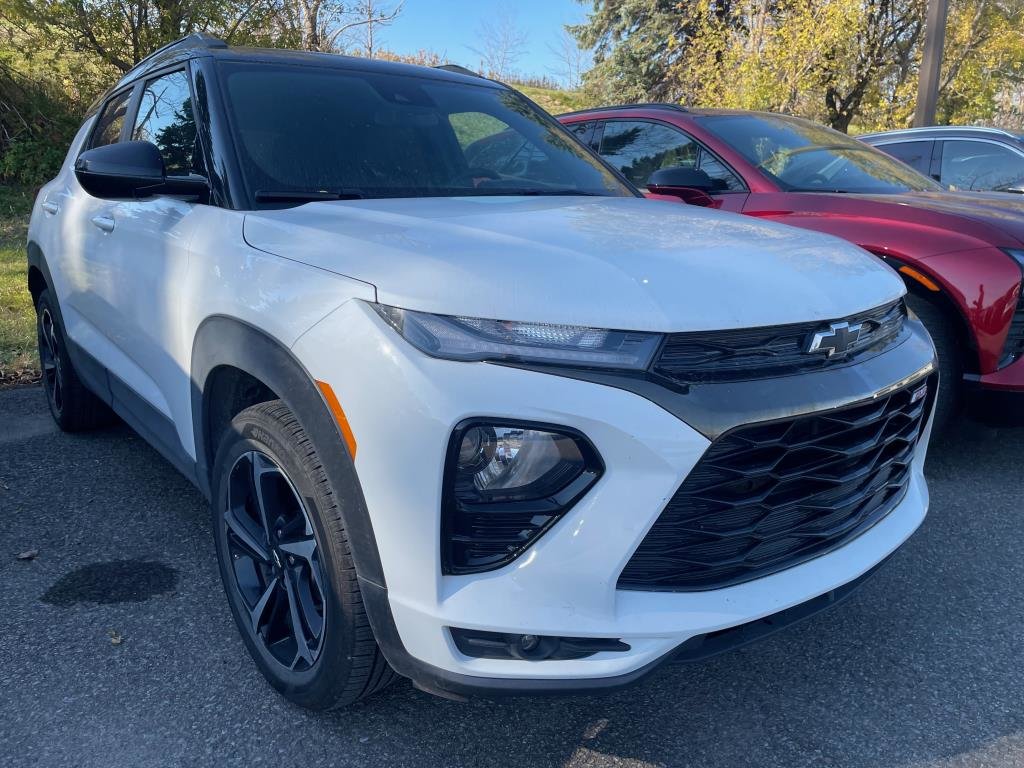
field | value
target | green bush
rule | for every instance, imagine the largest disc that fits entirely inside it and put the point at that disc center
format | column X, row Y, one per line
column 31, row 161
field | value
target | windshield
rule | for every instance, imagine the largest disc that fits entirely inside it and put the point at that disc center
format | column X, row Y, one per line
column 802, row 156
column 309, row 133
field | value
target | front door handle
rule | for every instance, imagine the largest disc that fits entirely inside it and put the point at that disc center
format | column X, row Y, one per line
column 50, row 207
column 106, row 223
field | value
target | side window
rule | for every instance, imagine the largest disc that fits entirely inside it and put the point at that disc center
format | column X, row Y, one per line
column 490, row 145
column 111, row 121
column 974, row 165
column 916, row 154
column 584, row 132
column 639, row 148
column 165, row 118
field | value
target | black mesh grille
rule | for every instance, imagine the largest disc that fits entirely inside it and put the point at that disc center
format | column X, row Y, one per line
column 768, row 496
column 752, row 353
column 1014, row 347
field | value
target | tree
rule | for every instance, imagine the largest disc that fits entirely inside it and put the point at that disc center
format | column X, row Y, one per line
column 502, row 43
column 573, row 60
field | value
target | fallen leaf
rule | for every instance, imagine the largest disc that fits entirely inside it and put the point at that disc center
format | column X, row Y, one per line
column 28, row 554
column 115, row 637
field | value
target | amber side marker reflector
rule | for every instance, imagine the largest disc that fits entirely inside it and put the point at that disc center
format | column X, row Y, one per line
column 339, row 416
column 924, row 280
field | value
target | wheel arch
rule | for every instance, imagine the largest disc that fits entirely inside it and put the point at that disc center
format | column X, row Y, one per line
column 234, row 365
column 39, row 278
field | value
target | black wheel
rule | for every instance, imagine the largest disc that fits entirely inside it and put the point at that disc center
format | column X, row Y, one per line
column 946, row 336
column 72, row 405
column 287, row 566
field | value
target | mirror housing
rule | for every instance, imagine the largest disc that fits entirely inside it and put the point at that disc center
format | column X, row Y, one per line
column 689, row 184
column 132, row 169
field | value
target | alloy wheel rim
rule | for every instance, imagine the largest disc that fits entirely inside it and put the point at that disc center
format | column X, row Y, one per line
column 49, row 358
column 275, row 561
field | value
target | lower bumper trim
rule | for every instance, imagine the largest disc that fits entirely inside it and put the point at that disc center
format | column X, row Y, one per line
column 452, row 685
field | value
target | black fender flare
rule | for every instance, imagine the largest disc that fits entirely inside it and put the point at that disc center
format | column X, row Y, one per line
column 226, row 341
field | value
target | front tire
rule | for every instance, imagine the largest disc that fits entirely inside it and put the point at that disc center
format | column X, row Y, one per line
column 940, row 326
column 287, row 566
column 72, row 405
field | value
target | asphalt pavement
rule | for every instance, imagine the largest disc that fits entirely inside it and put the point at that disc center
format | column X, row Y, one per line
column 117, row 649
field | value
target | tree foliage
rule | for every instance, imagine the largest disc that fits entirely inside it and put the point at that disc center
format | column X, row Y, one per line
column 848, row 63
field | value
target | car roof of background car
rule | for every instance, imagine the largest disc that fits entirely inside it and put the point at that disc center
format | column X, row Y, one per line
column 676, row 108
column 940, row 131
column 203, row 45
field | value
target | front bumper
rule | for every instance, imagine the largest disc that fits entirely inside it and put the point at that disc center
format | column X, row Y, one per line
column 998, row 398
column 402, row 407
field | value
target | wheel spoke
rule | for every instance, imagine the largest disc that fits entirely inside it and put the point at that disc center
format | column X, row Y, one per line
column 261, row 467
column 261, row 605
column 254, row 546
column 302, row 651
column 305, row 550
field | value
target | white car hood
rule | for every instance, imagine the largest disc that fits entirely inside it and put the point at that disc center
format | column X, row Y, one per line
column 623, row 263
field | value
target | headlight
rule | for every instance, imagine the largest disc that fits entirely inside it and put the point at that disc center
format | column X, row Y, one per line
column 1016, row 255
column 476, row 339
column 505, row 484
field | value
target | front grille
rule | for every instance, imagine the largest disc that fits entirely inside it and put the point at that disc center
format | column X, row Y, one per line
column 767, row 496
column 753, row 353
column 1013, row 349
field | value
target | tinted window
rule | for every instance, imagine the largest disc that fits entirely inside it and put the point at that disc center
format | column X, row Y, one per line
column 165, row 118
column 916, row 154
column 976, row 165
column 639, row 148
column 585, row 133
column 111, row 121
column 305, row 129
column 802, row 156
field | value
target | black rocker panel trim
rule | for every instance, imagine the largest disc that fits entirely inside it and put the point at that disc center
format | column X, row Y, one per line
column 227, row 341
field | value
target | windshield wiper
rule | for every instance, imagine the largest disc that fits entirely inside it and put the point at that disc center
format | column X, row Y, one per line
column 305, row 195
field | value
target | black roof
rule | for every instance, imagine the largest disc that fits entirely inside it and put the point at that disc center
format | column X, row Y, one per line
column 202, row 45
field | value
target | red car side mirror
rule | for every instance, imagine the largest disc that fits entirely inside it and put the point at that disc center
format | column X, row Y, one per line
column 688, row 195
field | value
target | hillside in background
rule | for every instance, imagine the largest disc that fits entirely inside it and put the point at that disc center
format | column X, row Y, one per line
column 555, row 101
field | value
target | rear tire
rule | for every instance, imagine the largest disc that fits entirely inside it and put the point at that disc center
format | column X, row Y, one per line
column 72, row 405
column 287, row 566
column 949, row 350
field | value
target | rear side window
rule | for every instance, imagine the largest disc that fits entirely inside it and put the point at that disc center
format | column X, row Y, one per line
column 165, row 118
column 111, row 121
column 916, row 154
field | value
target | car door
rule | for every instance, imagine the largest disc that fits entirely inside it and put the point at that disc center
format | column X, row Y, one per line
column 981, row 164
column 145, row 259
column 639, row 147
column 79, row 259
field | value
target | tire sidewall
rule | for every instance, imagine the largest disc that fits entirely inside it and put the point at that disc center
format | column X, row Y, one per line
column 258, row 432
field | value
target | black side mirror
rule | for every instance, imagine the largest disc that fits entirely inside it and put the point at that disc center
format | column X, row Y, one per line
column 132, row 169
column 677, row 176
column 689, row 184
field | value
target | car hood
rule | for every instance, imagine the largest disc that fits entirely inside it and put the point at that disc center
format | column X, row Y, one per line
column 621, row 263
column 1002, row 213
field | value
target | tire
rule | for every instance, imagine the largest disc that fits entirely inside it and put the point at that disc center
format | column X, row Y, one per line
column 293, row 570
column 72, row 405
column 949, row 350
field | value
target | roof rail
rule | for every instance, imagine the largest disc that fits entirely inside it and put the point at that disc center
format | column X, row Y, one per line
column 613, row 108
column 457, row 69
column 195, row 40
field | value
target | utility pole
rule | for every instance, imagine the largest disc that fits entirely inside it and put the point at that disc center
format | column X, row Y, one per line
column 931, row 62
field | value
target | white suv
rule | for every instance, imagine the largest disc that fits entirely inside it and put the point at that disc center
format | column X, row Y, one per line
column 467, row 408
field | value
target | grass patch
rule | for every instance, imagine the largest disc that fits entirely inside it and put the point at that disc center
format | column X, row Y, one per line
column 554, row 101
column 18, row 360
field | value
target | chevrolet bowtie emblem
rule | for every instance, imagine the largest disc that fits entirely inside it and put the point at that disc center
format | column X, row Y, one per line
column 836, row 340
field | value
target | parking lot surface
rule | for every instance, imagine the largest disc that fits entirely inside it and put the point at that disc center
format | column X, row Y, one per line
column 117, row 647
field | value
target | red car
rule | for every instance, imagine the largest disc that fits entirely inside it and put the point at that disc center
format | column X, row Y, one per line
column 961, row 255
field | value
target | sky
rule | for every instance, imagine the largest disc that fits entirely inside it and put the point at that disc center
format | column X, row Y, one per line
column 449, row 28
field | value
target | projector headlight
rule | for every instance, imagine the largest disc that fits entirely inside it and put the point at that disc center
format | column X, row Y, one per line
column 477, row 339
column 506, row 483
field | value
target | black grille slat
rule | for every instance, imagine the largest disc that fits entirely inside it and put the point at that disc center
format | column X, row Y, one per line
column 736, row 518
column 1013, row 349
column 752, row 353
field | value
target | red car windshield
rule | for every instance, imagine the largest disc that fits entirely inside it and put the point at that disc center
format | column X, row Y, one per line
column 802, row 156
